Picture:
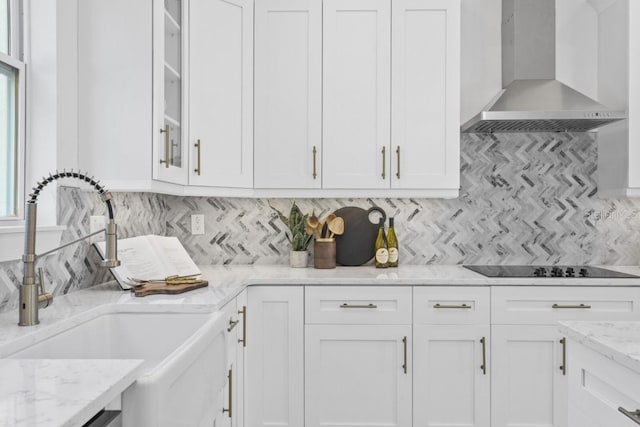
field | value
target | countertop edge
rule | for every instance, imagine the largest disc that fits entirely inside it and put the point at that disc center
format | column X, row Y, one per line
column 108, row 395
column 593, row 342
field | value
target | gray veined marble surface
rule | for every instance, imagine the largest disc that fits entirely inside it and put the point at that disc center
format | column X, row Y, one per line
column 41, row 391
column 619, row 341
column 524, row 199
column 60, row 393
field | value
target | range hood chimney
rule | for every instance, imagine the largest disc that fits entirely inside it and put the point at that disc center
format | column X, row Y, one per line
column 532, row 99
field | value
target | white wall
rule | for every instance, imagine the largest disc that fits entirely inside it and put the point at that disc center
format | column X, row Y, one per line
column 67, row 82
column 42, row 99
column 634, row 92
column 481, row 55
column 577, row 45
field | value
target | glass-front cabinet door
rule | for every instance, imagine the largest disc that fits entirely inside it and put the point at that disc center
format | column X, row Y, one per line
column 169, row 162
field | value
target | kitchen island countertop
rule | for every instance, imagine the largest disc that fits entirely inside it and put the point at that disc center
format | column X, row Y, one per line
column 60, row 392
column 619, row 341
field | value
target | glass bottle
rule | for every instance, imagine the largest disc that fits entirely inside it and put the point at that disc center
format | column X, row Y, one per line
column 381, row 251
column 392, row 245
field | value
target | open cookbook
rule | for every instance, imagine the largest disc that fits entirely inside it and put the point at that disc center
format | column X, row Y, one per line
column 150, row 257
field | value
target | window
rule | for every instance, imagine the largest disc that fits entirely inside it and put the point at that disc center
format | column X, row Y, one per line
column 12, row 96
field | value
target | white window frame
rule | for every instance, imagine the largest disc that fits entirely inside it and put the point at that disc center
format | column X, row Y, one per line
column 14, row 61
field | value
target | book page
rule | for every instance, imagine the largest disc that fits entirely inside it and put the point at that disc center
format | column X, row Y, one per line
column 150, row 258
column 138, row 260
column 175, row 257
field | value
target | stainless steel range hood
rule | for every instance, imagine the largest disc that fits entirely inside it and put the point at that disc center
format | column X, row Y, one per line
column 532, row 100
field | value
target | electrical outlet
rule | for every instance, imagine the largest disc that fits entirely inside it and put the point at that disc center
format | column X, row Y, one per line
column 97, row 223
column 197, row 224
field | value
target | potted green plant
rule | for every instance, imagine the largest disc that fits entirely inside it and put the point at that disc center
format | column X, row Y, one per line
column 297, row 235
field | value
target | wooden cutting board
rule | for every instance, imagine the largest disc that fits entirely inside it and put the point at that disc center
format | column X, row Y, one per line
column 153, row 288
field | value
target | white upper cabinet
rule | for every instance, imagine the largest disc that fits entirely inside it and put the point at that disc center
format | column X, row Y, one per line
column 425, row 94
column 288, row 93
column 356, row 93
column 221, row 93
column 350, row 99
column 114, row 66
column 169, row 151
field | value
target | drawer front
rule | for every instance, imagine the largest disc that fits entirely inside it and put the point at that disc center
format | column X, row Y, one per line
column 598, row 386
column 548, row 305
column 451, row 305
column 381, row 305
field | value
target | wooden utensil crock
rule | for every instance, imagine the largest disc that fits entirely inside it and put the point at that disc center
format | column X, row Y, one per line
column 324, row 253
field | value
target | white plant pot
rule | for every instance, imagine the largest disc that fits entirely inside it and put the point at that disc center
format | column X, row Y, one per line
column 298, row 259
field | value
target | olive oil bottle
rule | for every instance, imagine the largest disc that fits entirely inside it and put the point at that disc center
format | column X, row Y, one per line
column 381, row 250
column 392, row 245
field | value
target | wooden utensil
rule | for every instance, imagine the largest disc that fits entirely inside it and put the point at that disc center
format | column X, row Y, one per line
column 309, row 227
column 336, row 227
column 314, row 225
column 325, row 227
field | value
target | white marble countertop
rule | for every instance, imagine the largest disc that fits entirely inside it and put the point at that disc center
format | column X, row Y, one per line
column 619, row 341
column 226, row 282
column 52, row 393
column 417, row 275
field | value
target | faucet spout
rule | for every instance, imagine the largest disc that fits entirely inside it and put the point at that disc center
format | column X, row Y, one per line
column 32, row 293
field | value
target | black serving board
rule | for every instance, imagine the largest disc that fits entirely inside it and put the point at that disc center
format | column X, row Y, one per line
column 356, row 245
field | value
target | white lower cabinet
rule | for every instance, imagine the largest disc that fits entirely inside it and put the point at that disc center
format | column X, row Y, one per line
column 529, row 373
column 424, row 357
column 358, row 375
column 451, row 382
column 529, row 387
column 239, row 374
column 274, row 357
column 231, row 411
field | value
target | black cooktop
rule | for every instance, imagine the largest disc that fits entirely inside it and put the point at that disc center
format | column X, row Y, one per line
column 554, row 271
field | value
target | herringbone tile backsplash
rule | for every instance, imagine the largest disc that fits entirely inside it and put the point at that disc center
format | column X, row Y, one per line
column 524, row 199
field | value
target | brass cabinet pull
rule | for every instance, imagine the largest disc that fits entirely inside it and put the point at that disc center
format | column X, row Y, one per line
column 167, row 147
column 384, row 162
column 570, row 306
column 563, row 368
column 244, row 325
column 634, row 416
column 197, row 169
column 315, row 171
column 451, row 306
column 232, row 324
column 404, row 343
column 345, row 305
column 484, row 356
column 230, row 410
column 398, row 159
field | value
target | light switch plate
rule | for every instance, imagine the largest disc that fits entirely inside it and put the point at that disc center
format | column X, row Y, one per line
column 197, row 224
column 97, row 223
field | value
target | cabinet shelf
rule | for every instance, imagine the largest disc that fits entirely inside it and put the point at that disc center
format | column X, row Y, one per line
column 171, row 70
column 171, row 120
column 171, row 20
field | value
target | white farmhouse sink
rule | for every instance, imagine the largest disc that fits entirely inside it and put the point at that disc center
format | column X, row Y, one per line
column 184, row 369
